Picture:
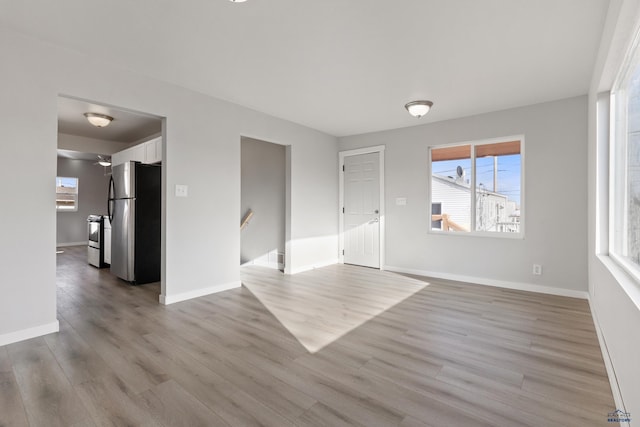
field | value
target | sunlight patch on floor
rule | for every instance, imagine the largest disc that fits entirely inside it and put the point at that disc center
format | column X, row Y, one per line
column 320, row 306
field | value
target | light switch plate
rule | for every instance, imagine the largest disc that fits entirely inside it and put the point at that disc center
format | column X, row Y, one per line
column 401, row 201
column 182, row 190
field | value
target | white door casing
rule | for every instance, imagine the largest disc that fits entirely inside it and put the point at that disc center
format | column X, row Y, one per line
column 362, row 219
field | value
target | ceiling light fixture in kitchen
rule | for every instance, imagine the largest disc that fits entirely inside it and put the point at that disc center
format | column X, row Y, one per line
column 418, row 108
column 98, row 120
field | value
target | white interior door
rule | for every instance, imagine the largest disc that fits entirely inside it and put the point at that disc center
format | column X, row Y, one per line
column 362, row 209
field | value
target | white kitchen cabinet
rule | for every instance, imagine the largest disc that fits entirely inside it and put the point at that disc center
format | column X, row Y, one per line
column 147, row 152
column 137, row 153
column 119, row 158
column 159, row 149
column 153, row 151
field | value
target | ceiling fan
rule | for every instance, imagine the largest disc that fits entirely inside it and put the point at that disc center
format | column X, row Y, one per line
column 105, row 162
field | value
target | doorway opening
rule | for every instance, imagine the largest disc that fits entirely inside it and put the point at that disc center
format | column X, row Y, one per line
column 263, row 203
column 99, row 243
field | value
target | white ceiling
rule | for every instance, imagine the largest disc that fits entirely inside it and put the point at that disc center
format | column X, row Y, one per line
column 126, row 126
column 80, row 155
column 343, row 67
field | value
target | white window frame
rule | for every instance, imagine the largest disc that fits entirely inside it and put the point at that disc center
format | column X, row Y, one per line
column 77, row 194
column 618, row 163
column 472, row 227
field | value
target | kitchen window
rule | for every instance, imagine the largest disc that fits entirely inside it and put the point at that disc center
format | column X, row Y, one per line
column 477, row 187
column 624, row 244
column 66, row 194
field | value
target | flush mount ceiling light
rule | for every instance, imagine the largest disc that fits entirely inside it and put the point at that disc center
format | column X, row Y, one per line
column 418, row 108
column 98, row 120
column 237, row 1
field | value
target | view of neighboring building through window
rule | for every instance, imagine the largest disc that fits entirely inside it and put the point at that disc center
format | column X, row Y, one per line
column 625, row 171
column 66, row 194
column 494, row 170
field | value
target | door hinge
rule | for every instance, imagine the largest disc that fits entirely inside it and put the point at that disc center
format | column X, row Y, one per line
column 343, row 252
column 343, row 210
column 342, row 168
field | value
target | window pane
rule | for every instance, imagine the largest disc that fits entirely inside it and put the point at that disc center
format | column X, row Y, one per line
column 450, row 188
column 498, row 185
column 66, row 194
column 436, row 218
column 633, row 169
column 633, row 208
column 625, row 173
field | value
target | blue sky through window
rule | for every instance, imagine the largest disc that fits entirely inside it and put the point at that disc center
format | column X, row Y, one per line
column 66, row 182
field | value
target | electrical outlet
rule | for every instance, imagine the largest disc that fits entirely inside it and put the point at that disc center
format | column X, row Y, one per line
column 537, row 269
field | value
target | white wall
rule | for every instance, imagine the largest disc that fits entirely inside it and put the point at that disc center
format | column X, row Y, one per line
column 554, row 205
column 202, row 150
column 27, row 270
column 615, row 298
column 312, row 235
column 71, row 227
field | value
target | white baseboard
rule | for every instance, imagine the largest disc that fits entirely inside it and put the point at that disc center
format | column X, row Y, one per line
column 311, row 266
column 491, row 282
column 171, row 299
column 62, row 245
column 29, row 333
column 275, row 266
column 272, row 259
column 259, row 263
column 611, row 373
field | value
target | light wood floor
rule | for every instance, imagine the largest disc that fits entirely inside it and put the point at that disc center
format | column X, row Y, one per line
column 318, row 308
column 422, row 353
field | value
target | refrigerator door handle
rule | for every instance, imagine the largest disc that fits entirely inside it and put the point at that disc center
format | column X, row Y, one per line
column 110, row 198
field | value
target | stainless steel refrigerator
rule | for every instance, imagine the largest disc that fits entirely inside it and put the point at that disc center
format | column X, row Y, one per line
column 134, row 206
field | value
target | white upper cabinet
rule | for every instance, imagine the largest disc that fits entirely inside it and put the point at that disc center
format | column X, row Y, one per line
column 119, row 158
column 153, row 151
column 137, row 153
column 147, row 152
